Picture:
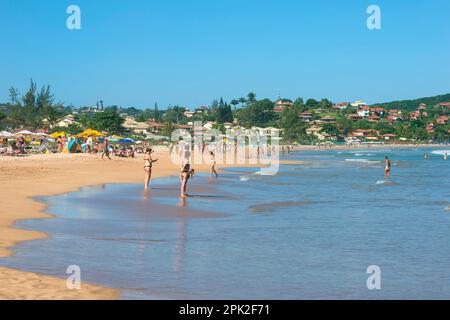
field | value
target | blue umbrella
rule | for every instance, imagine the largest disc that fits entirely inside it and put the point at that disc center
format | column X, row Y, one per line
column 126, row 140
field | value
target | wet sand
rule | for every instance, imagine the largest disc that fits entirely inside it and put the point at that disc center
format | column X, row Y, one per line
column 44, row 175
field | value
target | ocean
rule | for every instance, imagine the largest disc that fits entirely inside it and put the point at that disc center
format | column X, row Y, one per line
column 309, row 232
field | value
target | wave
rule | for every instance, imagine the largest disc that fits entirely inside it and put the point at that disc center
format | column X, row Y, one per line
column 366, row 161
column 364, row 154
column 385, row 183
column 244, row 178
column 441, row 152
column 272, row 206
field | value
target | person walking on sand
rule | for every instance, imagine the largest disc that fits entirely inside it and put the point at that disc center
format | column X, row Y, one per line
column 387, row 170
column 106, row 149
column 186, row 173
column 212, row 165
column 148, row 163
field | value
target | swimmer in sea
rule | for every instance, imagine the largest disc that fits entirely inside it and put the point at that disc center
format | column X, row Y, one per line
column 387, row 170
column 445, row 156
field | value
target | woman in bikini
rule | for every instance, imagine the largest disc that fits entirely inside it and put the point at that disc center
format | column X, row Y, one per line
column 185, row 174
column 212, row 165
column 148, row 163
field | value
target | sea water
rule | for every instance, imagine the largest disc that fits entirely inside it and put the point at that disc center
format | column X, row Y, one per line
column 309, row 232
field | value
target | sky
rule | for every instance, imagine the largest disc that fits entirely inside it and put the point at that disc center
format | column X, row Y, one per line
column 189, row 52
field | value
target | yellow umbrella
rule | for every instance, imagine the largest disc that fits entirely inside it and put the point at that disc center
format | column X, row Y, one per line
column 58, row 134
column 91, row 132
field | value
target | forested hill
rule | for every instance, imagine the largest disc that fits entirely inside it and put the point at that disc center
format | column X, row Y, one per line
column 413, row 104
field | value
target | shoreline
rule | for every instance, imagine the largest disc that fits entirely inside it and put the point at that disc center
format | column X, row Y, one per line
column 25, row 178
column 48, row 175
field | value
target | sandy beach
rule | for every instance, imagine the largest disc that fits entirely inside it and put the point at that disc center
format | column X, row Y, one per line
column 43, row 175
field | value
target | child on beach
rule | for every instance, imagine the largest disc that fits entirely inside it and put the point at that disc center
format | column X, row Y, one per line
column 148, row 163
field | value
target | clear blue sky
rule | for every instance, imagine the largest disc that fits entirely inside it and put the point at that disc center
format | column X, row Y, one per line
column 188, row 52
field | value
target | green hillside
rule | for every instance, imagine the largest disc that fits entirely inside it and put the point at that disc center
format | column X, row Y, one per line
column 413, row 104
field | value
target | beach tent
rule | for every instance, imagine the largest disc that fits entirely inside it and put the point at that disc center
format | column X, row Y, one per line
column 74, row 146
column 91, row 132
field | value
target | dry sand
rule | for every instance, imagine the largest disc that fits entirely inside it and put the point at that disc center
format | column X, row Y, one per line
column 44, row 175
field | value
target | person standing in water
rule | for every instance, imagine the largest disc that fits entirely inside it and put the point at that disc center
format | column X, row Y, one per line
column 148, row 163
column 387, row 170
column 427, row 156
column 445, row 156
column 186, row 173
column 212, row 165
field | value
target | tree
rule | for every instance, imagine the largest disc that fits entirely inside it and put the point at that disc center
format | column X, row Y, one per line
column 234, row 103
column 109, row 121
column 311, row 103
column 299, row 105
column 259, row 113
column 251, row 97
column 344, row 125
column 293, row 128
column 31, row 112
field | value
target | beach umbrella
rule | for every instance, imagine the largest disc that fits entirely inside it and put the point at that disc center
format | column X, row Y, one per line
column 55, row 135
column 5, row 135
column 115, row 138
column 91, row 132
column 127, row 140
column 27, row 134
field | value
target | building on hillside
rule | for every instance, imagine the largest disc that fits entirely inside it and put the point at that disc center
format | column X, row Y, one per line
column 378, row 111
column 268, row 132
column 358, row 104
column 365, row 133
column 442, row 120
column 422, row 107
column 364, row 111
column 189, row 114
column 354, row 117
column 430, row 127
column 154, row 127
column 340, row 106
column 202, row 109
column 327, row 120
column 443, row 105
column 306, row 116
column 281, row 105
column 66, row 121
column 373, row 118
column 135, row 126
column 316, row 132
column 389, row 136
